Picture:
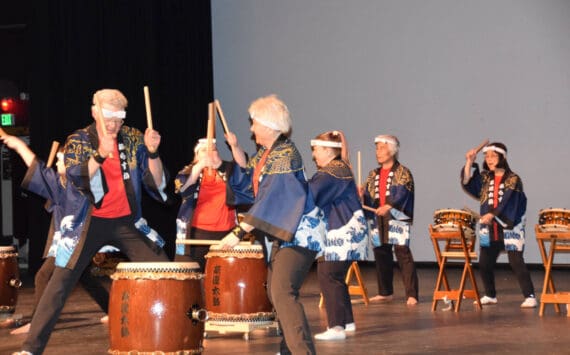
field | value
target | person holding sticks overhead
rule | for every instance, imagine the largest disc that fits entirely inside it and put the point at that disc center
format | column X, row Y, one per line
column 389, row 190
column 110, row 164
column 207, row 211
column 503, row 216
column 346, row 237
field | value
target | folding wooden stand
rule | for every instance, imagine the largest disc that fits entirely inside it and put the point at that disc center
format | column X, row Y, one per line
column 353, row 290
column 559, row 243
column 456, row 247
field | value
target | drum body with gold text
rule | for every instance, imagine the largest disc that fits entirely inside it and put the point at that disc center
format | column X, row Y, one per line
column 156, row 308
column 9, row 279
column 451, row 219
column 235, row 285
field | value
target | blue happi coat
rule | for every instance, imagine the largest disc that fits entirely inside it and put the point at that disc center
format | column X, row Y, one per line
column 395, row 227
column 79, row 147
column 63, row 202
column 334, row 191
column 510, row 213
column 282, row 209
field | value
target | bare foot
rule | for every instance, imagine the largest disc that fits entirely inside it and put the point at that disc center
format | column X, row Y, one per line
column 380, row 298
column 21, row 330
column 105, row 319
column 412, row 301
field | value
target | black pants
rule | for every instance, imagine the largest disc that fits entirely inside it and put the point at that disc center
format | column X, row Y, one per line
column 119, row 232
column 488, row 260
column 90, row 283
column 287, row 271
column 385, row 269
column 332, row 275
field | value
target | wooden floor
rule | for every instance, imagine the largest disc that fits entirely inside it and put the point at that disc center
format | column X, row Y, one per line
column 389, row 328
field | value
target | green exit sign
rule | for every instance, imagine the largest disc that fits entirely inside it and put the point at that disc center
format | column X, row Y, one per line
column 7, row 119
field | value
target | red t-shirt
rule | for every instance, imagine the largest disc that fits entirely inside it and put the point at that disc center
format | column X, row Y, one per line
column 115, row 203
column 384, row 173
column 211, row 212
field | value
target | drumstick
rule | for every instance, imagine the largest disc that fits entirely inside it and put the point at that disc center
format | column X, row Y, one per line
column 222, row 117
column 368, row 208
column 54, row 146
column 204, row 242
column 100, row 122
column 2, row 133
column 147, row 105
column 101, row 117
column 480, row 146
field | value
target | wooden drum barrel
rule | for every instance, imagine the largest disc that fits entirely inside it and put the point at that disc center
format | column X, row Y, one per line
column 9, row 279
column 235, row 285
column 156, row 308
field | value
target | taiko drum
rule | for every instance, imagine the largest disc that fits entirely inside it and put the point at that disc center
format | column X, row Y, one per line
column 9, row 279
column 235, row 284
column 156, row 308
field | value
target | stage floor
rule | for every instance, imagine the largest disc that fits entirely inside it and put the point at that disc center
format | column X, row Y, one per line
column 382, row 328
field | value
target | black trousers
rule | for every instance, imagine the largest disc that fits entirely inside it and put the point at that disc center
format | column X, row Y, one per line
column 385, row 269
column 286, row 272
column 119, row 232
column 488, row 260
column 92, row 284
column 332, row 276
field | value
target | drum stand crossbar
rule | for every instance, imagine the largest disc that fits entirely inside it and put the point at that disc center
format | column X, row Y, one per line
column 456, row 247
column 353, row 290
column 559, row 243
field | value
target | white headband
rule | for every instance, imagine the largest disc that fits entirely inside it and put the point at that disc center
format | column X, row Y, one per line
column 385, row 140
column 495, row 149
column 323, row 143
column 110, row 114
column 266, row 123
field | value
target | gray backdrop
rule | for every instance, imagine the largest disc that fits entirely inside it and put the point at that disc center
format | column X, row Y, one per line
column 441, row 75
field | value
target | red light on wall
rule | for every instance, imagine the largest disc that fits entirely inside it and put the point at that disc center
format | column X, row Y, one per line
column 7, row 105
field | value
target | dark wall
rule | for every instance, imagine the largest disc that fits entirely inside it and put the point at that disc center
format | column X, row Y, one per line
column 75, row 48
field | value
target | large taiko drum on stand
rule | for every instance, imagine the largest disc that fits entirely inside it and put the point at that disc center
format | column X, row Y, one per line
column 156, row 308
column 450, row 219
column 9, row 279
column 235, row 285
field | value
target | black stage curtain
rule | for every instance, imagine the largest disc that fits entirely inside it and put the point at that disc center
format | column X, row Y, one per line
column 79, row 47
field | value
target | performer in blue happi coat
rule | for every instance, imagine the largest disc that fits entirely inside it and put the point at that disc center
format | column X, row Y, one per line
column 274, row 183
column 390, row 190
column 206, row 211
column 503, row 208
column 110, row 164
column 53, row 186
column 346, row 238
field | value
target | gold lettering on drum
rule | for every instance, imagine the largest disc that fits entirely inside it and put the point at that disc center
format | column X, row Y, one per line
column 124, row 314
column 216, row 282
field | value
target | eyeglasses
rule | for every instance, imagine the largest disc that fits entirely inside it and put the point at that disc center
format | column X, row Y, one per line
column 116, row 122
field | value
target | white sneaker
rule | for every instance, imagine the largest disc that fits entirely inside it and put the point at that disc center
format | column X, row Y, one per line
column 350, row 327
column 529, row 302
column 332, row 334
column 486, row 300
